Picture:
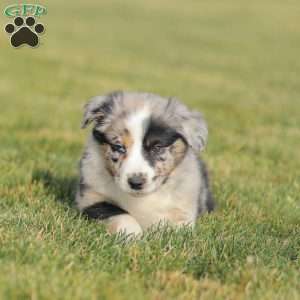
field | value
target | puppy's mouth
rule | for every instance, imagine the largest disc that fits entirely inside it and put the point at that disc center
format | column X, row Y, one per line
column 141, row 193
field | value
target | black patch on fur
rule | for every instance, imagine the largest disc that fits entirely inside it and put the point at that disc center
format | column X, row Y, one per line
column 100, row 137
column 161, row 135
column 103, row 111
column 102, row 211
column 209, row 201
column 105, row 108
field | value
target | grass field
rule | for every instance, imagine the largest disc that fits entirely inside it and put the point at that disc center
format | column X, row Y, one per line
column 238, row 62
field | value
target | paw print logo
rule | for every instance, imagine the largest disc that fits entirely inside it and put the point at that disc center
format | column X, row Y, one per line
column 24, row 32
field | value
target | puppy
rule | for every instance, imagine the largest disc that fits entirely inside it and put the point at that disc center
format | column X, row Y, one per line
column 140, row 165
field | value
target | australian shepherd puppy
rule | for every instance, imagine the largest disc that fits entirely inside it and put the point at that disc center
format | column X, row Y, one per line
column 141, row 163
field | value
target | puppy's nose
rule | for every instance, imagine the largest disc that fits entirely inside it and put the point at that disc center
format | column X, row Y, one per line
column 136, row 182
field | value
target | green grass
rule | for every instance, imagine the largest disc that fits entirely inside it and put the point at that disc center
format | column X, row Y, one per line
column 238, row 62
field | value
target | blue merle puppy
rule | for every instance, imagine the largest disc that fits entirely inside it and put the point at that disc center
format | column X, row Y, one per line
column 141, row 163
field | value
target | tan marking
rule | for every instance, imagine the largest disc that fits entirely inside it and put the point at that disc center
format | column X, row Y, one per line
column 89, row 198
column 177, row 215
column 174, row 156
column 178, row 149
column 94, row 196
column 127, row 139
column 117, row 134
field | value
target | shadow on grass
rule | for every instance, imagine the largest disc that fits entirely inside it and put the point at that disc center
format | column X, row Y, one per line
column 62, row 188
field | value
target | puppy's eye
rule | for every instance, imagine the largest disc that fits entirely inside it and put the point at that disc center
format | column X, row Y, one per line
column 156, row 148
column 118, row 148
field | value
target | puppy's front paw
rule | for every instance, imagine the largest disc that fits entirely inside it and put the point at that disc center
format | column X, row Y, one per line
column 123, row 224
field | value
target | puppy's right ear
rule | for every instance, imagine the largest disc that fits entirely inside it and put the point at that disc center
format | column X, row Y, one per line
column 96, row 110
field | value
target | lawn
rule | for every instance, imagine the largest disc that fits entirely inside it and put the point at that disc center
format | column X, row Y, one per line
column 237, row 62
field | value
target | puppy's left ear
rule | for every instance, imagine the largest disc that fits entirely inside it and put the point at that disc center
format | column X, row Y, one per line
column 99, row 109
column 195, row 131
column 92, row 110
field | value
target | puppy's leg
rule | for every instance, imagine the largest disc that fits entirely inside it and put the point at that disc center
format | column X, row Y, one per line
column 123, row 223
column 95, row 206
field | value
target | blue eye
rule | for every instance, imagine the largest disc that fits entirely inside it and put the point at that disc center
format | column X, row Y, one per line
column 118, row 148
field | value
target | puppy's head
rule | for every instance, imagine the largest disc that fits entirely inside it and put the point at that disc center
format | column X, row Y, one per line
column 143, row 137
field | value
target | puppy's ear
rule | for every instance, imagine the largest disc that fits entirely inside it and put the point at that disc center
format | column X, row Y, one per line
column 195, row 130
column 190, row 124
column 98, row 109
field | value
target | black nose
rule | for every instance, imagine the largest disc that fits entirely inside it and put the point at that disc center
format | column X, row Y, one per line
column 136, row 182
